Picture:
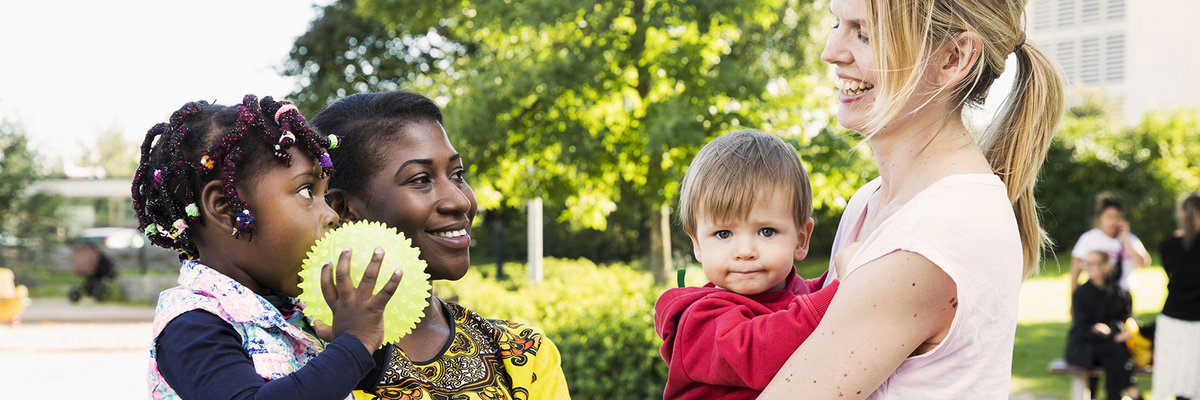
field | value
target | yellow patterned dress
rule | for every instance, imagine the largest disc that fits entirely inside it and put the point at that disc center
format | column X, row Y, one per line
column 485, row 360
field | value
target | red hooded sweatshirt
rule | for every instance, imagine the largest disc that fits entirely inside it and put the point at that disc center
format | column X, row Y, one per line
column 720, row 344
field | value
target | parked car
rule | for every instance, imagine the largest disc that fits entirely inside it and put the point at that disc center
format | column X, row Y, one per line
column 114, row 238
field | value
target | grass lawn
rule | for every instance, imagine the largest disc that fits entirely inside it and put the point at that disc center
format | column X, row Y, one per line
column 1044, row 317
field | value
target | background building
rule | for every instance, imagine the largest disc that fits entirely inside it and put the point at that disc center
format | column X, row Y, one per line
column 1141, row 55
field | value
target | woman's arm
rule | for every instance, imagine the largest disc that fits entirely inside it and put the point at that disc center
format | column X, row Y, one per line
column 1141, row 257
column 883, row 312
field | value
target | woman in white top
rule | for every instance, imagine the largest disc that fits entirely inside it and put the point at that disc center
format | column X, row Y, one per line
column 927, row 305
column 1112, row 236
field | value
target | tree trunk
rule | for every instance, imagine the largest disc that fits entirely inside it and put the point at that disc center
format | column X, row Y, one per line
column 660, row 244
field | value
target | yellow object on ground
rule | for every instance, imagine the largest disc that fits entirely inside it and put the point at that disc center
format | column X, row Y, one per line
column 13, row 298
column 1139, row 346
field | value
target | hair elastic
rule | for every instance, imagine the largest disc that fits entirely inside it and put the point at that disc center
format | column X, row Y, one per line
column 283, row 109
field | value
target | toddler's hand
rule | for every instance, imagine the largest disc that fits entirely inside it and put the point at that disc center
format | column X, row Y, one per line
column 324, row 332
column 841, row 260
column 358, row 311
column 1121, row 337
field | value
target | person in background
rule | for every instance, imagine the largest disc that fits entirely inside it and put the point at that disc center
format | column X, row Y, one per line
column 1177, row 336
column 97, row 269
column 1111, row 235
column 1097, row 336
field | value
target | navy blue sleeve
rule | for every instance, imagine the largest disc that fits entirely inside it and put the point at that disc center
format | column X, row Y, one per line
column 201, row 356
column 371, row 380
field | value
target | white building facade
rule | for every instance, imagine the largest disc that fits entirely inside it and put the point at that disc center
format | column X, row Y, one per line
column 1141, row 55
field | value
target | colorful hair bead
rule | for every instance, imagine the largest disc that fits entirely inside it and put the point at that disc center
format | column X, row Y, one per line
column 245, row 218
column 151, row 230
column 287, row 138
column 207, row 162
column 180, row 226
column 157, row 176
column 333, row 142
column 325, row 161
column 192, row 210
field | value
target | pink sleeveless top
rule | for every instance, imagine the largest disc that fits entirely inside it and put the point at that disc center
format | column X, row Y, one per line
column 966, row 225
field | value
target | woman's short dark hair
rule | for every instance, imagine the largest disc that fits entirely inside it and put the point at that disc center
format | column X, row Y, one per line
column 363, row 123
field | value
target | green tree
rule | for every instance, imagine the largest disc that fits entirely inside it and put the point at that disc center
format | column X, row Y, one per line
column 1148, row 166
column 29, row 217
column 112, row 153
column 17, row 171
column 590, row 105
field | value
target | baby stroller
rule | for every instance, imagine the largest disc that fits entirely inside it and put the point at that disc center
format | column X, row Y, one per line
column 98, row 270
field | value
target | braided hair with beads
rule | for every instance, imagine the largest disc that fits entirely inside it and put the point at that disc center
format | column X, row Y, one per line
column 202, row 142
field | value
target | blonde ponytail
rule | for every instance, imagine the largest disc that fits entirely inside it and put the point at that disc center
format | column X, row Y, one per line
column 1018, row 139
column 906, row 32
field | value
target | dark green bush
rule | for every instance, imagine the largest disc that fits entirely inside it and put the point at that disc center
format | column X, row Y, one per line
column 600, row 317
column 1148, row 166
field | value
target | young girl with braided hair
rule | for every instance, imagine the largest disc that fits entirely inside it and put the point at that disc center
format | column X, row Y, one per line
column 238, row 191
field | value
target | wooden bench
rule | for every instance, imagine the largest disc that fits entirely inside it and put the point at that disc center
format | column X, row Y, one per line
column 1079, row 386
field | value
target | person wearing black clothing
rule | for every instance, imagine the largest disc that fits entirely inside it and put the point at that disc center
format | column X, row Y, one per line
column 1097, row 337
column 1177, row 340
column 98, row 270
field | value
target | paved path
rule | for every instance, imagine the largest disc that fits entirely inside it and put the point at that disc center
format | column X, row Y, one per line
column 94, row 351
column 59, row 310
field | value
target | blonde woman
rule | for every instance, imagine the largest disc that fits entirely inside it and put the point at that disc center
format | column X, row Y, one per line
column 927, row 307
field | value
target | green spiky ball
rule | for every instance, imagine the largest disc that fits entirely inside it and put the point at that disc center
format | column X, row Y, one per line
column 405, row 308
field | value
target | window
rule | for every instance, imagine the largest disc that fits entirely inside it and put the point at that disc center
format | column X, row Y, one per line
column 1066, row 13
column 1065, row 54
column 1114, row 58
column 1089, row 60
column 1089, row 12
column 1043, row 14
column 1116, row 10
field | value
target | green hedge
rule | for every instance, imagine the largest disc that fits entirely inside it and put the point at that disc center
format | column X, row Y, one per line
column 600, row 317
column 1149, row 166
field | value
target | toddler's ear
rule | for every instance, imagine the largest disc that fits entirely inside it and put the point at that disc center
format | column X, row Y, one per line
column 343, row 204
column 803, row 235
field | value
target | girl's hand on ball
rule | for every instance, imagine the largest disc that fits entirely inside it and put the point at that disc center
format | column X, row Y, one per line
column 357, row 310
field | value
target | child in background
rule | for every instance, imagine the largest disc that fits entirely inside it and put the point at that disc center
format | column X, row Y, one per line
column 396, row 166
column 1099, row 309
column 238, row 192
column 98, row 271
column 746, row 204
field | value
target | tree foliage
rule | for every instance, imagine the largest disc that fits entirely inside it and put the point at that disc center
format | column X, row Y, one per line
column 26, row 217
column 112, row 153
column 1148, row 166
column 17, row 171
column 593, row 106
